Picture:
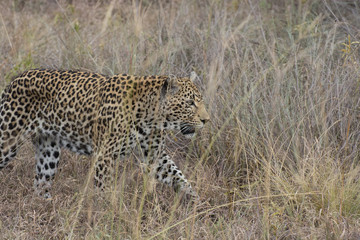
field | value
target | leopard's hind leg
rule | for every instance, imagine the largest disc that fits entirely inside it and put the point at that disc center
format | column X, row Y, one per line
column 47, row 154
column 12, row 131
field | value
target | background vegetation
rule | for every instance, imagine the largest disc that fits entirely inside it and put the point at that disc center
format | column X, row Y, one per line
column 280, row 157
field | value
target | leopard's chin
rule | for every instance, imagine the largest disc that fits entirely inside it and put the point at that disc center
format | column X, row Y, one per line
column 190, row 135
column 188, row 131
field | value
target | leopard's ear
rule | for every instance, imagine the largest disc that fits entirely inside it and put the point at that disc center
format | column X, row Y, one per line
column 193, row 76
column 170, row 86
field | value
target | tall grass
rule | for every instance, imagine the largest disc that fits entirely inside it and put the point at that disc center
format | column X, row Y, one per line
column 280, row 157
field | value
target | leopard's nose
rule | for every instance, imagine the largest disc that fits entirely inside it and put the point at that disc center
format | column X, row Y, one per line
column 204, row 120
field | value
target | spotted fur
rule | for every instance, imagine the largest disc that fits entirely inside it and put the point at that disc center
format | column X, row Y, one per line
column 90, row 113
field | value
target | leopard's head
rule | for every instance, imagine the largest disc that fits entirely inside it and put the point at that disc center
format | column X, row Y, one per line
column 183, row 105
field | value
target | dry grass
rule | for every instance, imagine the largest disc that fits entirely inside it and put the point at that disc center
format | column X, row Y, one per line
column 280, row 158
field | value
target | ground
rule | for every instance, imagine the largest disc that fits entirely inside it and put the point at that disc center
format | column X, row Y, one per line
column 280, row 157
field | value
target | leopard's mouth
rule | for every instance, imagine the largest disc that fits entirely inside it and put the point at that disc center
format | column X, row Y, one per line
column 187, row 130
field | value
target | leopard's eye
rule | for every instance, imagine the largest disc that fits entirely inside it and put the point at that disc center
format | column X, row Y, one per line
column 191, row 102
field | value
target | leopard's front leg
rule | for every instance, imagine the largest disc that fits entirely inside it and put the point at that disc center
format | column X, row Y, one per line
column 105, row 158
column 104, row 171
column 167, row 172
column 161, row 166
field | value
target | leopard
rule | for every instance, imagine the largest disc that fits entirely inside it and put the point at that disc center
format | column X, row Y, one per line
column 106, row 117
